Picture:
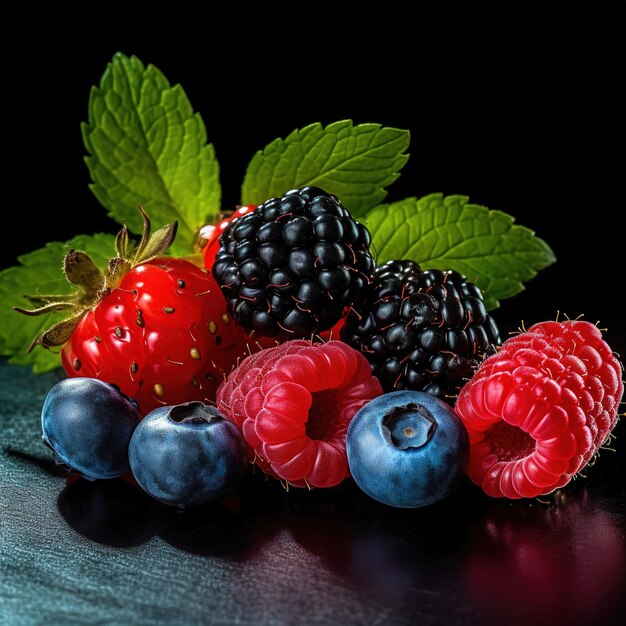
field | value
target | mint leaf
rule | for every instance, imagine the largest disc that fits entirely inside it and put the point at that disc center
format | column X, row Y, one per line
column 148, row 147
column 355, row 163
column 39, row 272
column 448, row 233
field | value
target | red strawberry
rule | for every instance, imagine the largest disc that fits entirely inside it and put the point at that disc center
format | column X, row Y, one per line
column 540, row 408
column 155, row 327
column 163, row 336
column 211, row 234
column 293, row 404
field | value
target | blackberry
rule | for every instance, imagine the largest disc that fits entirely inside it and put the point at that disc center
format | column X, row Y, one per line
column 421, row 330
column 294, row 265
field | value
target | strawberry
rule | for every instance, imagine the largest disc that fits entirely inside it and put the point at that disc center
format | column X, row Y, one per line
column 154, row 326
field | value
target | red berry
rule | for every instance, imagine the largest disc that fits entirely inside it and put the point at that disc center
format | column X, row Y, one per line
column 293, row 404
column 212, row 232
column 162, row 336
column 540, row 408
column 156, row 327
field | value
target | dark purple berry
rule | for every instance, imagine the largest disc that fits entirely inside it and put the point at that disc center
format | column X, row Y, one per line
column 295, row 265
column 421, row 330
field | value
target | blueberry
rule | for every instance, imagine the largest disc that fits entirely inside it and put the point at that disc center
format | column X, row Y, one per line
column 88, row 424
column 407, row 449
column 187, row 455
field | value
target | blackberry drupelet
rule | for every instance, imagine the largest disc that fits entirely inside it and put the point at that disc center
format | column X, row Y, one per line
column 421, row 330
column 293, row 266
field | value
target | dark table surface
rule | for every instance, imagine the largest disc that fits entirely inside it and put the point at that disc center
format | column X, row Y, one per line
column 74, row 552
column 523, row 124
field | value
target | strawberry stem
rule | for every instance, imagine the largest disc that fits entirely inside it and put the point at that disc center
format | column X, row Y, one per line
column 80, row 270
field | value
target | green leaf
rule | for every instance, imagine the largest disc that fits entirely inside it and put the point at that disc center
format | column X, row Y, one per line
column 448, row 233
column 40, row 272
column 355, row 163
column 148, row 147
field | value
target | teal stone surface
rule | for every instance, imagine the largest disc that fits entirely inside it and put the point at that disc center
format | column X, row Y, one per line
column 75, row 552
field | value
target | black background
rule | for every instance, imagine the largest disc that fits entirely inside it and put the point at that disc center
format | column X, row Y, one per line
column 519, row 114
column 521, row 111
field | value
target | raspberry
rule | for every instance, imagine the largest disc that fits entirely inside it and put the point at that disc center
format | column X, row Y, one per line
column 293, row 266
column 539, row 409
column 421, row 330
column 293, row 404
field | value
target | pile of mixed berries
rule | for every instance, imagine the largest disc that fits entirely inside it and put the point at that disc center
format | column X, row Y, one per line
column 293, row 351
